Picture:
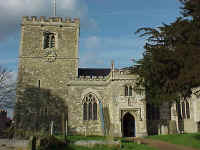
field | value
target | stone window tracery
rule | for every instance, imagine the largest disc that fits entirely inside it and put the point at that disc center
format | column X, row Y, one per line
column 85, row 111
column 90, row 107
column 95, row 111
column 128, row 90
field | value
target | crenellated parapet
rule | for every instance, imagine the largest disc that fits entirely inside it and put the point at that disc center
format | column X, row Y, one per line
column 51, row 20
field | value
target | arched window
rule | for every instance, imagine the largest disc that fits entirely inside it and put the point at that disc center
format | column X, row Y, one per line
column 126, row 90
column 90, row 107
column 183, row 110
column 49, row 40
column 85, row 110
column 178, row 110
column 90, row 111
column 130, row 90
column 187, row 109
column 94, row 111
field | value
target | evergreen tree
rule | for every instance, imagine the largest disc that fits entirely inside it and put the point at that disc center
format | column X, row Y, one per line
column 170, row 66
column 191, row 8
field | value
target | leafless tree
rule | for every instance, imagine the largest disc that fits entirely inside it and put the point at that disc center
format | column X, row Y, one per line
column 7, row 88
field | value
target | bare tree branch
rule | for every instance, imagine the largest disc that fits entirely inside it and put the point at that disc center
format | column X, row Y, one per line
column 7, row 89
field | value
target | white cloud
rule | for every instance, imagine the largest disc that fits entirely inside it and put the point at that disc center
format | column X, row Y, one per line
column 12, row 77
column 68, row 4
column 115, row 43
column 11, row 12
column 92, row 42
column 98, row 51
column 91, row 58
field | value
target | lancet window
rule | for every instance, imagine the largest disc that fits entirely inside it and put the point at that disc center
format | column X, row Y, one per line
column 187, row 109
column 90, row 107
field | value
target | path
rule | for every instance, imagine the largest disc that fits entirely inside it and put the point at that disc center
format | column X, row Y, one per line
column 6, row 144
column 161, row 145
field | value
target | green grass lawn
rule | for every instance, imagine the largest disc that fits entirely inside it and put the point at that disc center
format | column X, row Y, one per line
column 190, row 139
column 125, row 146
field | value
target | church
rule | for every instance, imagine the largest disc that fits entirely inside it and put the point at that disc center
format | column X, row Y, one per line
column 100, row 100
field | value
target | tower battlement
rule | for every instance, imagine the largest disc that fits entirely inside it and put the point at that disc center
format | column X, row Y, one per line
column 44, row 20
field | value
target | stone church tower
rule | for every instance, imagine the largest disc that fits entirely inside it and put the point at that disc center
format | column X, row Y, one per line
column 48, row 56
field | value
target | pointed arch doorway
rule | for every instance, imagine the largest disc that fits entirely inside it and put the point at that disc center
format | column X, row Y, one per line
column 128, row 125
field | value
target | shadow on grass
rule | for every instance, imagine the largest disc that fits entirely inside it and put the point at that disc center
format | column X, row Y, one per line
column 197, row 136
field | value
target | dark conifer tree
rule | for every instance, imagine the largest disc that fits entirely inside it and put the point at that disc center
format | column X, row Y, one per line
column 170, row 67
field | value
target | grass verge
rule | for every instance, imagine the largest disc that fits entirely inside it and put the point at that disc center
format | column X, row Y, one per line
column 124, row 146
column 187, row 139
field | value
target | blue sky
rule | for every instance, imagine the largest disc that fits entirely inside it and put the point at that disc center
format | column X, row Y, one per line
column 107, row 27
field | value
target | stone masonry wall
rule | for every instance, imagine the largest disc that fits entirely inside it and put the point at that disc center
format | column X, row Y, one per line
column 111, row 94
column 34, row 66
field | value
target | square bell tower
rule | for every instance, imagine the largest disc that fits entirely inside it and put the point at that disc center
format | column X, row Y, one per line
column 48, row 55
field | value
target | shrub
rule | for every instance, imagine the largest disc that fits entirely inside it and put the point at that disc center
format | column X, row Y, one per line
column 51, row 142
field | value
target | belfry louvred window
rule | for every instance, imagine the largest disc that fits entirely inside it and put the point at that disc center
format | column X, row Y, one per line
column 49, row 40
column 90, row 107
